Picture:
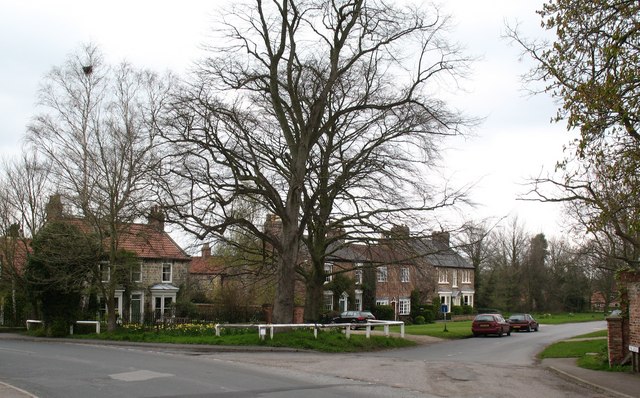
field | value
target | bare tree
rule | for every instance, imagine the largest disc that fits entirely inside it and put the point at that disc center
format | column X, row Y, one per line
column 321, row 112
column 97, row 128
column 24, row 186
column 591, row 68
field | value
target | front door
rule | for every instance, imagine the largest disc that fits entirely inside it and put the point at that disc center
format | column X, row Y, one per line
column 344, row 301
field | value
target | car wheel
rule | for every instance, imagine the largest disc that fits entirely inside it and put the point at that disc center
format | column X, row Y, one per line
column 528, row 328
column 475, row 334
column 509, row 332
column 536, row 329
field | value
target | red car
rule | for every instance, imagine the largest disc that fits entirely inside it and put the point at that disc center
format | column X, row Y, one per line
column 524, row 322
column 490, row 324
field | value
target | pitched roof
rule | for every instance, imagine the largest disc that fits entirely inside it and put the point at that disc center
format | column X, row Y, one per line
column 206, row 265
column 144, row 240
column 439, row 254
column 412, row 251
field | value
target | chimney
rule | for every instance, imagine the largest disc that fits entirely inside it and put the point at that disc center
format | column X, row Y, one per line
column 206, row 250
column 156, row 218
column 54, row 208
column 441, row 238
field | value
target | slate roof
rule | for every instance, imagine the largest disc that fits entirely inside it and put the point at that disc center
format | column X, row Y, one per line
column 434, row 252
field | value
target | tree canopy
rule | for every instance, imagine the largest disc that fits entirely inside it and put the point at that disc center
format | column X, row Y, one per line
column 319, row 112
column 591, row 67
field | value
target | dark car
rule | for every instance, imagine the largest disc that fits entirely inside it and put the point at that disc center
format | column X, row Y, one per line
column 484, row 324
column 354, row 317
column 522, row 322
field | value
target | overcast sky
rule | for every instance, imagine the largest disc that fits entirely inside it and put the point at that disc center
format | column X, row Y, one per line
column 515, row 141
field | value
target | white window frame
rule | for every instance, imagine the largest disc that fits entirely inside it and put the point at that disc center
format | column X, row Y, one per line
column 382, row 301
column 327, row 302
column 454, row 278
column 358, row 277
column 382, row 274
column 163, row 273
column 165, row 310
column 404, row 306
column 118, row 298
column 404, row 274
column 443, row 276
column 328, row 269
column 466, row 276
column 358, row 300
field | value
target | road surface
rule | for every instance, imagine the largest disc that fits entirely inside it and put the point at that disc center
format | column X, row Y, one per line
column 477, row 367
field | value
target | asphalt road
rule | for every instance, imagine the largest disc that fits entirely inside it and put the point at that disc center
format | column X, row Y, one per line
column 518, row 349
column 477, row 367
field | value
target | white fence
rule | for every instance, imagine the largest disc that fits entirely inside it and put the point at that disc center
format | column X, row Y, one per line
column 96, row 323
column 270, row 327
column 263, row 328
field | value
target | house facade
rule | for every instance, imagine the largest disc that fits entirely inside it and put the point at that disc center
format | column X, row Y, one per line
column 161, row 271
column 359, row 276
column 397, row 268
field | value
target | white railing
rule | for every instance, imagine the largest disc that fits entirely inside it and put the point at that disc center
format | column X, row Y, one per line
column 270, row 327
column 97, row 323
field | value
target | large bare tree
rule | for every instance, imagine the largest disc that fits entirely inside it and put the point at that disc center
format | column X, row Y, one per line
column 97, row 128
column 323, row 113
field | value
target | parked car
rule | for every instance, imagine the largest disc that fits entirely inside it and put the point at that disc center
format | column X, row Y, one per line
column 354, row 317
column 484, row 324
column 520, row 322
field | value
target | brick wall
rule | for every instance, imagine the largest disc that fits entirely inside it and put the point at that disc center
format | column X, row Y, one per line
column 623, row 331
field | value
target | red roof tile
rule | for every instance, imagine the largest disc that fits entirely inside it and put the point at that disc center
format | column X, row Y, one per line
column 208, row 265
column 145, row 240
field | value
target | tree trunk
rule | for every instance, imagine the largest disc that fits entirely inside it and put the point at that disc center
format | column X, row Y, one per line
column 286, row 275
column 111, row 313
column 314, row 297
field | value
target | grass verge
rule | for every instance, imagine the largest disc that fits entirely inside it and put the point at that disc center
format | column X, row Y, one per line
column 590, row 354
column 327, row 341
column 555, row 319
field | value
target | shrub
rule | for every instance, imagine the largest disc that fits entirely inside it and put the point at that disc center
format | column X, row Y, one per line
column 58, row 328
column 419, row 320
column 383, row 312
column 456, row 310
column 429, row 315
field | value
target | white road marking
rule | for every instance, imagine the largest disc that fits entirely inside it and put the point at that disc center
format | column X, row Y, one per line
column 139, row 375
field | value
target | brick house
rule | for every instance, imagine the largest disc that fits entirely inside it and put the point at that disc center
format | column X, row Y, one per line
column 599, row 302
column 395, row 267
column 402, row 266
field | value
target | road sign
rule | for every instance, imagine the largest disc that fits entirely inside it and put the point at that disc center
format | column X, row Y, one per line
column 444, row 308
